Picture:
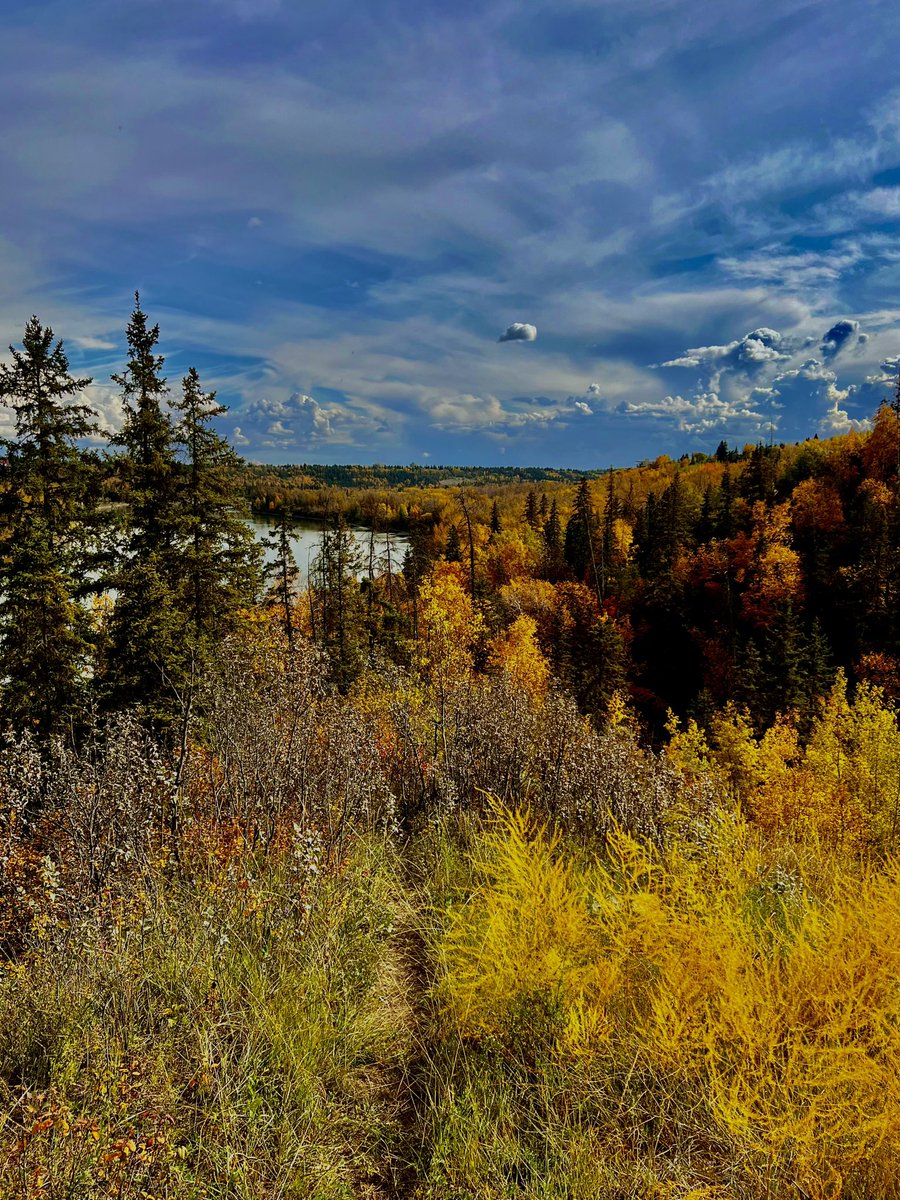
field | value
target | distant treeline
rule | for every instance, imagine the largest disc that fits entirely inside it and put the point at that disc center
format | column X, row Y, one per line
column 375, row 493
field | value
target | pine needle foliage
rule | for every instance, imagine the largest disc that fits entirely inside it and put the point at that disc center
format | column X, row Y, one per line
column 45, row 502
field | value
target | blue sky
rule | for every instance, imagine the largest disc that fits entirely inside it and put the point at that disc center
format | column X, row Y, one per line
column 569, row 233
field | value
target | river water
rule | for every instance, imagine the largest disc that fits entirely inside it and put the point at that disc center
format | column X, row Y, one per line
column 307, row 539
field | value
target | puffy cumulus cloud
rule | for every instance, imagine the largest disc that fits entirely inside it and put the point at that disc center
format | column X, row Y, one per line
column 592, row 394
column 106, row 401
column 765, row 380
column 297, row 418
column 750, row 352
column 468, row 413
column 700, row 413
column 886, row 375
column 812, row 371
column 518, row 332
column 487, row 414
column 815, row 381
column 731, row 388
column 297, row 421
column 841, row 335
column 877, row 387
column 837, row 419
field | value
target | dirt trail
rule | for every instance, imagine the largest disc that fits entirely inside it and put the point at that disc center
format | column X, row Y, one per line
column 401, row 1090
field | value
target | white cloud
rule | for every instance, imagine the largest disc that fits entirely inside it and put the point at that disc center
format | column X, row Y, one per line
column 759, row 346
column 697, row 414
column 801, row 272
column 295, row 420
column 518, row 332
column 842, row 334
column 106, row 401
column 92, row 343
column 585, row 408
column 836, row 419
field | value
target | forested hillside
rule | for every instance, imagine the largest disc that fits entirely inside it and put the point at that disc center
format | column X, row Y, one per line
column 749, row 575
column 556, row 858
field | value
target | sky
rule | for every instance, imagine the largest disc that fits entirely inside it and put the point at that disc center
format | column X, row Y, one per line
column 572, row 233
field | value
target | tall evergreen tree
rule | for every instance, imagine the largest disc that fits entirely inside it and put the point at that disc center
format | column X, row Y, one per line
column 44, row 635
column 282, row 570
column 470, row 538
column 416, row 564
column 554, row 563
column 453, row 552
column 148, row 465
column 579, row 549
column 150, row 660
column 610, row 565
column 221, row 560
column 496, row 526
column 725, row 524
column 335, row 584
column 531, row 510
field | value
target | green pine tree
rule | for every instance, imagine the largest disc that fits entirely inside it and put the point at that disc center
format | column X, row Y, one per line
column 496, row 526
column 453, row 553
column 579, row 550
column 221, row 562
column 282, row 570
column 150, row 661
column 44, row 631
column 334, row 583
column 554, row 562
column 531, row 510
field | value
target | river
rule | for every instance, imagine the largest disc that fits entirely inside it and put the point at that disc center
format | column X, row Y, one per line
column 307, row 537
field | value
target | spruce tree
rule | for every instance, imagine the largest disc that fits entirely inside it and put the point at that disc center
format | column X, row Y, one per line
column 149, row 655
column 453, row 553
column 334, row 582
column 220, row 559
column 148, row 467
column 44, row 632
column 579, row 550
column 282, row 570
column 726, row 525
column 496, row 526
column 610, row 558
column 531, row 510
column 554, row 562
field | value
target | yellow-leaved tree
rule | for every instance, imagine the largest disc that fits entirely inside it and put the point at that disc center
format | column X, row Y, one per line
column 450, row 627
column 516, row 652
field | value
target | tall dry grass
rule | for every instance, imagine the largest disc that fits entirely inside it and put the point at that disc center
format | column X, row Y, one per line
column 234, row 1037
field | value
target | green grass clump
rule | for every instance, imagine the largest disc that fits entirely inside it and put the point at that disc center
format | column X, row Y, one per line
column 236, row 1038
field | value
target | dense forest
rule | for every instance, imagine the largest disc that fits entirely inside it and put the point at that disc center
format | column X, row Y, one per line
column 553, row 858
column 748, row 575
